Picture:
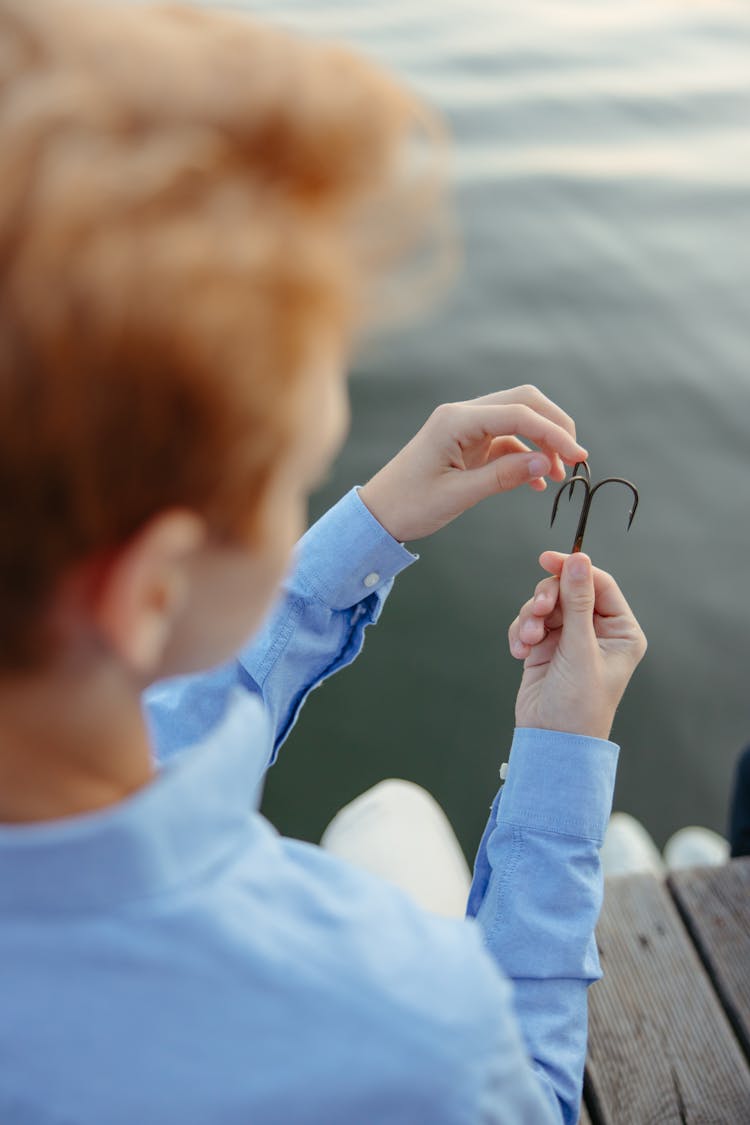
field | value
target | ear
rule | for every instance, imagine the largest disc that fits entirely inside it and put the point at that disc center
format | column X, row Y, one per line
column 146, row 587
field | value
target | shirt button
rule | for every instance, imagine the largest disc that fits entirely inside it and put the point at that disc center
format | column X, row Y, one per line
column 503, row 771
column 371, row 580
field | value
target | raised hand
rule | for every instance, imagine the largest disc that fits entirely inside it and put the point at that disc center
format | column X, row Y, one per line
column 580, row 644
column 467, row 451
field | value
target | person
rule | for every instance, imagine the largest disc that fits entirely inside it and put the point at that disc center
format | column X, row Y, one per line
column 189, row 213
column 739, row 807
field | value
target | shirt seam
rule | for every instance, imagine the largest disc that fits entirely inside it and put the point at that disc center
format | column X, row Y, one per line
column 284, row 633
column 309, row 592
column 559, row 829
column 503, row 879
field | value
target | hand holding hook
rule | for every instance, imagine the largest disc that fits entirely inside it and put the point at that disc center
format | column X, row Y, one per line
column 589, row 491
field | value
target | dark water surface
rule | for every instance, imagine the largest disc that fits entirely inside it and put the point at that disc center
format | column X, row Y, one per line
column 603, row 186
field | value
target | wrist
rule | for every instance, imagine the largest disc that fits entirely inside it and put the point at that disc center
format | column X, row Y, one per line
column 380, row 510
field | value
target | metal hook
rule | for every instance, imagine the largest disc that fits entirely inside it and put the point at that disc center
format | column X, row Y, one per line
column 589, row 490
column 587, row 473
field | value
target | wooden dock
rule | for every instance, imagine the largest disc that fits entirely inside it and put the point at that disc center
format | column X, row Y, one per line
column 669, row 1025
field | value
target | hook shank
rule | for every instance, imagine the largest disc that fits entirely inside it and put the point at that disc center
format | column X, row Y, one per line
column 589, row 492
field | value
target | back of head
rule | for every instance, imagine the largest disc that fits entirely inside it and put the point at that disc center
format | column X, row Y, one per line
column 190, row 203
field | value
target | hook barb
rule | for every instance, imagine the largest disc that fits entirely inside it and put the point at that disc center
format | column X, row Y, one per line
column 570, row 484
column 586, row 471
column 628, row 484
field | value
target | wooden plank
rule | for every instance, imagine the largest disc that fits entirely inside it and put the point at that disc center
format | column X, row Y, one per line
column 584, row 1119
column 661, row 1049
column 715, row 906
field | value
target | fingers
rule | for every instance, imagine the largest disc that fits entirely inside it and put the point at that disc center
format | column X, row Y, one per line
column 543, row 613
column 578, row 608
column 589, row 614
column 467, row 433
column 495, row 420
column 577, row 598
column 543, row 652
column 569, row 601
column 540, row 615
column 506, row 473
column 545, row 597
column 609, row 599
column 527, row 635
column 502, row 446
column 533, row 397
column 557, row 471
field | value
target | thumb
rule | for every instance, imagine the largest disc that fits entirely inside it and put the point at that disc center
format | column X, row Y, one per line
column 577, row 602
column 505, row 473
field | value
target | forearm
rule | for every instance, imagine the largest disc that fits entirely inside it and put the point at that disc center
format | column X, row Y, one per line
column 537, row 894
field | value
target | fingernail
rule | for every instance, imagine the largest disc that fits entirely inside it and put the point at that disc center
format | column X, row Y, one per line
column 578, row 566
column 538, row 466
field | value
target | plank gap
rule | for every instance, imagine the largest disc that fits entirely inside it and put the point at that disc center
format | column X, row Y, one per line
column 661, row 1049
column 698, row 920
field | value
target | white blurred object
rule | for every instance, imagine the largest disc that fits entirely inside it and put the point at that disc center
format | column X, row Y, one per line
column 695, row 847
column 398, row 831
column 628, row 848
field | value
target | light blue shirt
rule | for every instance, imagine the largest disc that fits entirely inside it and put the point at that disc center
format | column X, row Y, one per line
column 172, row 959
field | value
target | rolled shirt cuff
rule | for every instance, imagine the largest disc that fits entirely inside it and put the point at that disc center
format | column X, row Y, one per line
column 347, row 555
column 559, row 782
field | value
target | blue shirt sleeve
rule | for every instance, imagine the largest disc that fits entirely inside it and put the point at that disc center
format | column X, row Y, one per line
column 537, row 894
column 342, row 572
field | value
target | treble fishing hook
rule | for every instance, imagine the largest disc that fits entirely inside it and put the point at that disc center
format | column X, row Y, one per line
column 589, row 490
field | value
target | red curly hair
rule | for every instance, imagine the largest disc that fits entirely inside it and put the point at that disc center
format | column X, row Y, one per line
column 188, row 200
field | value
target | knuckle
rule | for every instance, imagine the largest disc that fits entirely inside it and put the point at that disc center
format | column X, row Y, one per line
column 507, row 476
column 532, row 397
column 444, row 413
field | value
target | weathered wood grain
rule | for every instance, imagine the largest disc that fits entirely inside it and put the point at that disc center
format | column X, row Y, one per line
column 661, row 1049
column 715, row 906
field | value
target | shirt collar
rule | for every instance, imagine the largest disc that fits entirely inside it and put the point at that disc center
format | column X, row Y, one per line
column 163, row 836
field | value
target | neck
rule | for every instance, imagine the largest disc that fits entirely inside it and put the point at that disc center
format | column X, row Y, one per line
column 70, row 742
